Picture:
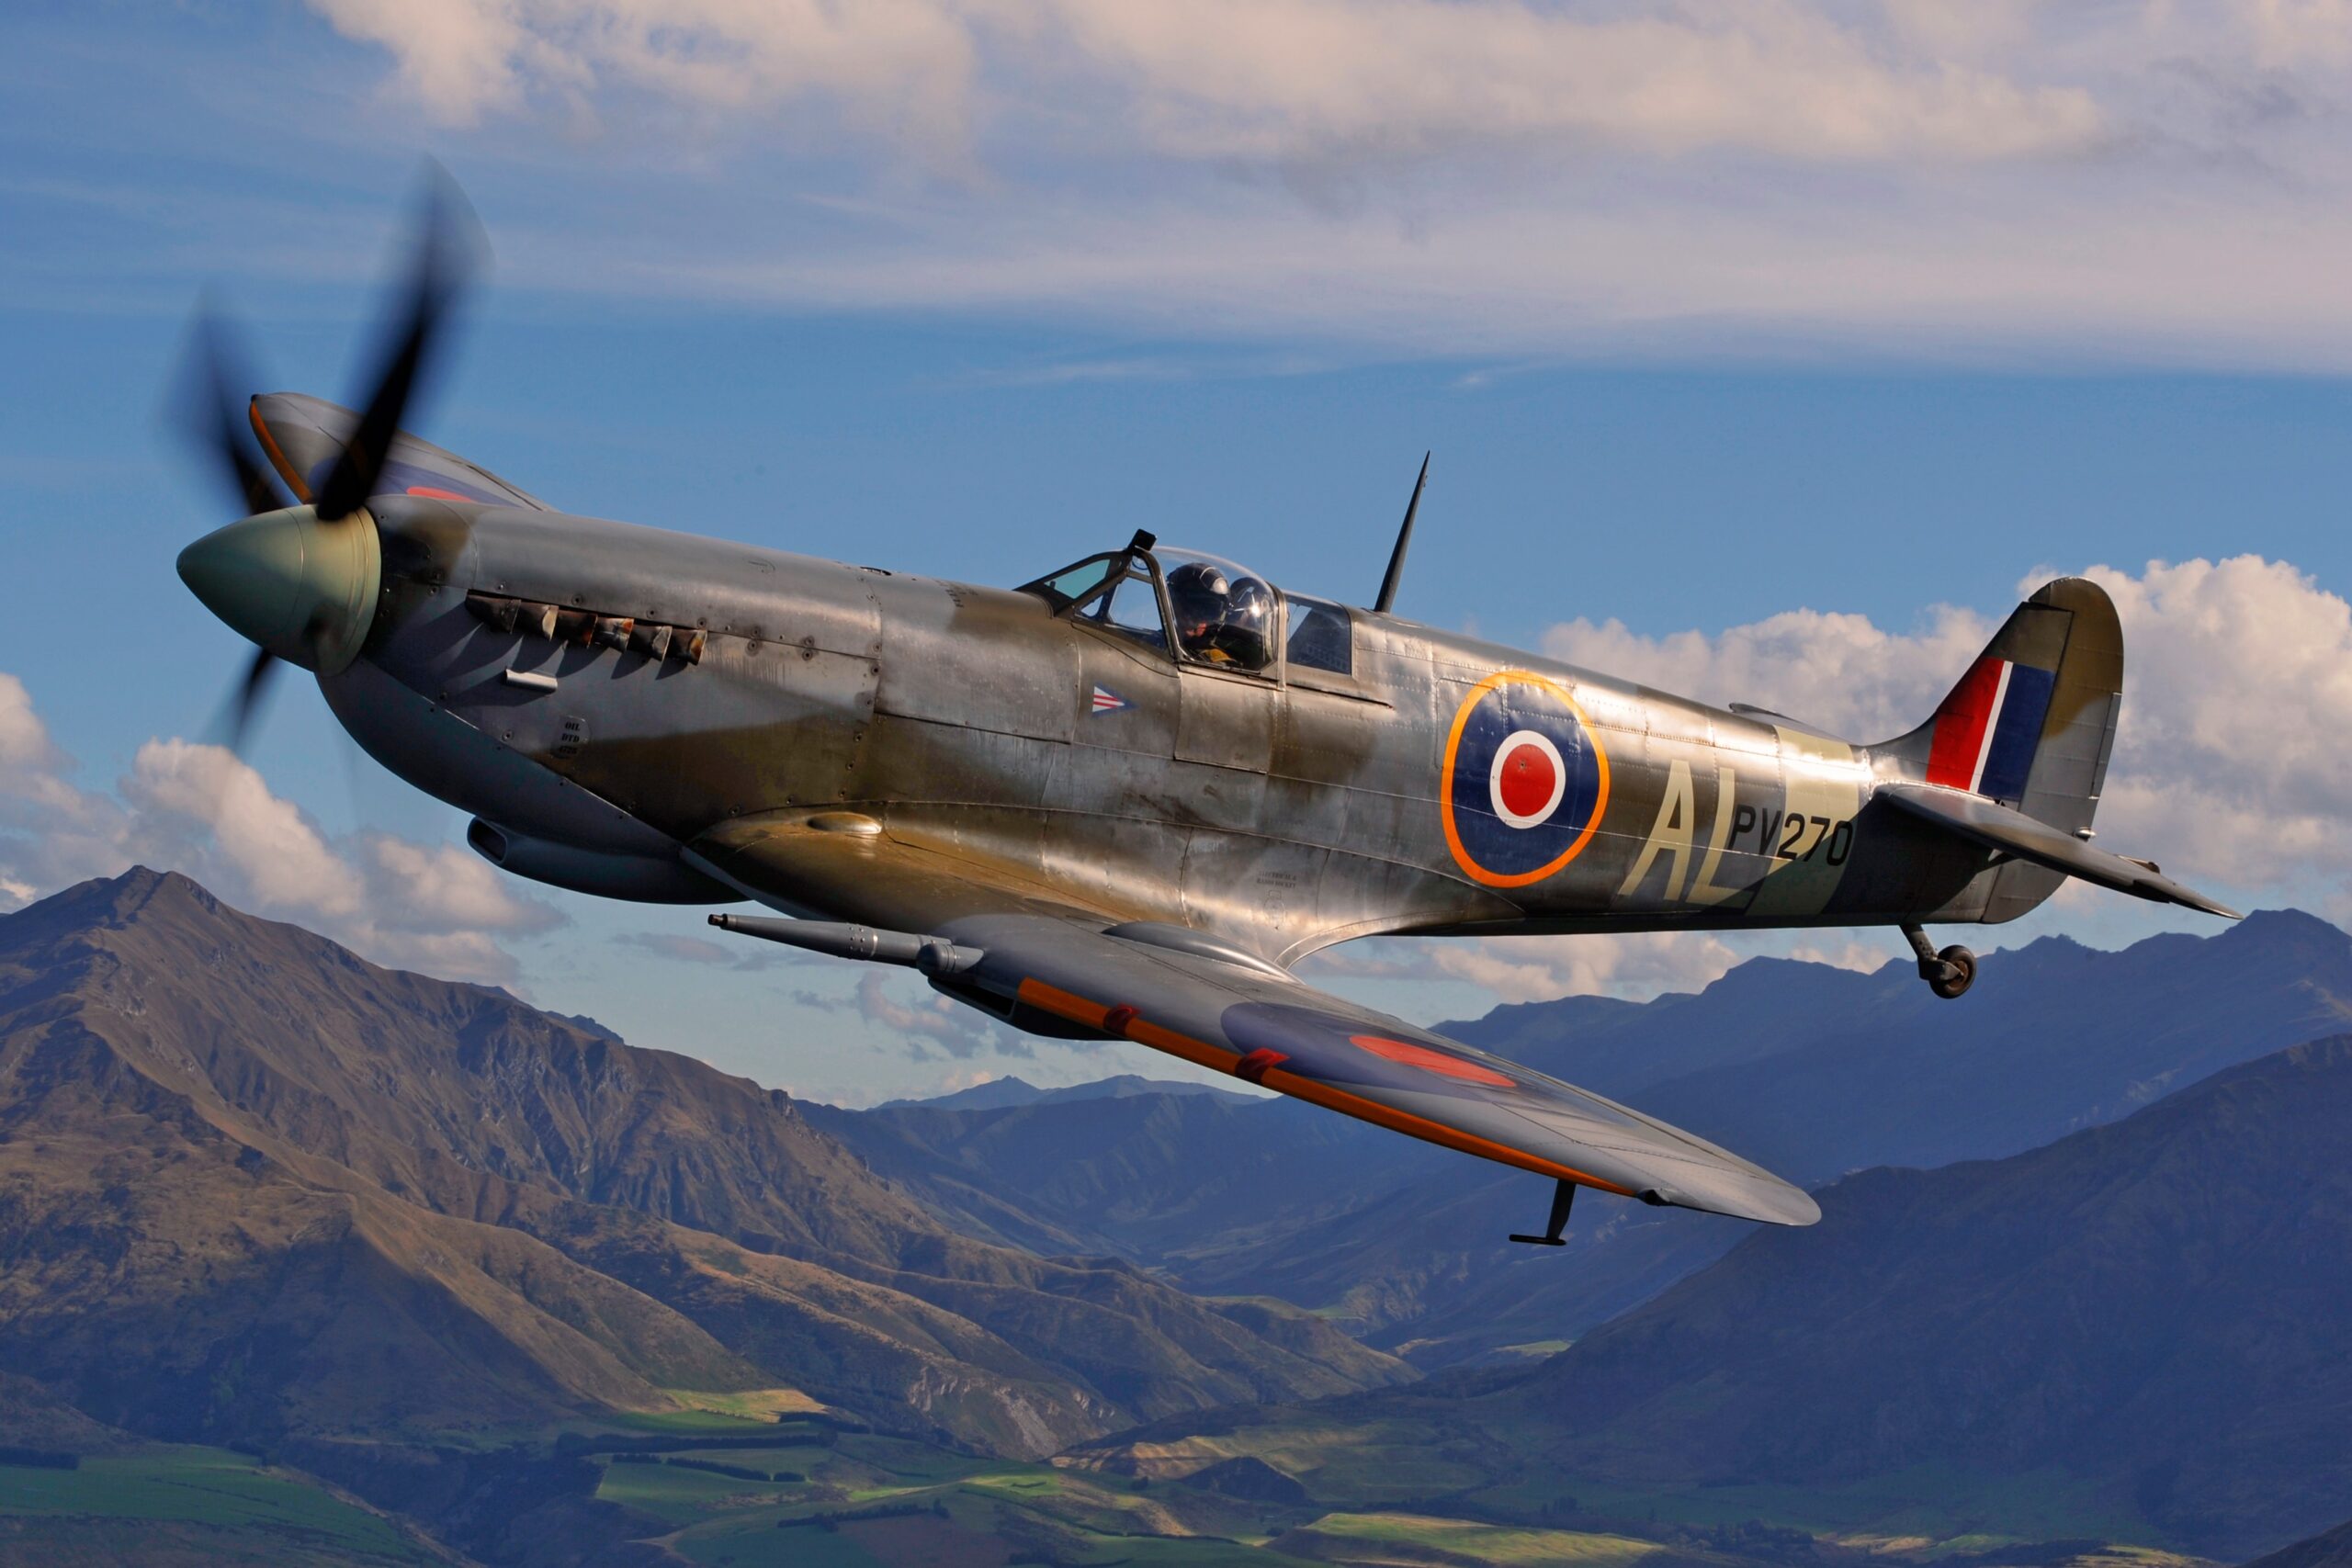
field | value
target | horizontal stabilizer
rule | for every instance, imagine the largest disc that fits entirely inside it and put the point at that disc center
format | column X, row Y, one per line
column 1996, row 827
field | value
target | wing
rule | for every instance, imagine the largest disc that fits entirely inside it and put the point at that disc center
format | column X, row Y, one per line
column 1996, row 827
column 1047, row 964
column 304, row 435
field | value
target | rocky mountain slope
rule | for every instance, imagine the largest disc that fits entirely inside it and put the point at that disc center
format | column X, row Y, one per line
column 996, row 1094
column 2141, row 1329
column 2330, row 1549
column 254, row 1189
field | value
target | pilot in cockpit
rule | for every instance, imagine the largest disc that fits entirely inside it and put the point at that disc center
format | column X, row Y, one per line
column 1221, row 620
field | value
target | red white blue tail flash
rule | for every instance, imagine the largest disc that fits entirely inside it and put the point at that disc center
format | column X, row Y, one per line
column 1987, row 730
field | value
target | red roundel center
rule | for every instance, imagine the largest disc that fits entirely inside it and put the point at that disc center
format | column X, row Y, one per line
column 1429, row 1061
column 1527, row 780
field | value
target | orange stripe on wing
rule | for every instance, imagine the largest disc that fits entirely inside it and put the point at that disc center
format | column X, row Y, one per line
column 1095, row 1015
column 1421, row 1127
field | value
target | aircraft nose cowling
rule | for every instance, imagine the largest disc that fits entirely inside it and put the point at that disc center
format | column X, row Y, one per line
column 303, row 589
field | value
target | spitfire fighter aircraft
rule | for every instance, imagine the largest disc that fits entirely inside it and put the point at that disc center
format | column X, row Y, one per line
column 1122, row 799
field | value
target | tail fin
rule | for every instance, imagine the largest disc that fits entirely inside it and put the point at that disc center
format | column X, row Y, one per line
column 2032, row 721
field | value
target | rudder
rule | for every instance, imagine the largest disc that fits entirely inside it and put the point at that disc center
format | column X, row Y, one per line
column 2032, row 722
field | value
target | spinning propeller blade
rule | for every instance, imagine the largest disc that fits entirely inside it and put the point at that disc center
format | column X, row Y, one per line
column 259, row 573
column 447, row 241
column 245, row 700
column 210, row 419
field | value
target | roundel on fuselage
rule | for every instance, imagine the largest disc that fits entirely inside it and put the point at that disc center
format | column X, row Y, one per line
column 1524, row 781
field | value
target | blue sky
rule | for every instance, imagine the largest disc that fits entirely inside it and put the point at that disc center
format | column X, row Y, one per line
column 962, row 324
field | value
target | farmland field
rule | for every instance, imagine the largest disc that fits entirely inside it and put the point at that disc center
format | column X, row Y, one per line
column 170, row 1504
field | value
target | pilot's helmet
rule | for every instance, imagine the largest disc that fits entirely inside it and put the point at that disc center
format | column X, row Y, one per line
column 1198, row 592
column 1248, row 623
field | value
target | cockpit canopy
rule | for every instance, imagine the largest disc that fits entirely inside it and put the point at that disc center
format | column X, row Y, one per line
column 1201, row 608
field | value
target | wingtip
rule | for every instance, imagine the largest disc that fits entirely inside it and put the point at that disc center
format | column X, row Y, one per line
column 1784, row 1205
column 1777, row 1205
column 1802, row 1211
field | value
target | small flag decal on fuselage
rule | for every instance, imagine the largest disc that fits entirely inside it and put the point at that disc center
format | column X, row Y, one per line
column 1108, row 701
column 1988, row 729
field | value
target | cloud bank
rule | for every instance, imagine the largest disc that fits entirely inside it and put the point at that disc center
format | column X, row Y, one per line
column 2237, row 694
column 199, row 809
column 1256, row 79
column 2006, row 181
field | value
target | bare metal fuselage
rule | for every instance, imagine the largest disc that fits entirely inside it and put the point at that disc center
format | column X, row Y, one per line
column 1283, row 811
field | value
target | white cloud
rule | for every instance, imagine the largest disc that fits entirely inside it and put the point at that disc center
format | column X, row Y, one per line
column 279, row 857
column 1863, row 957
column 2005, row 182
column 933, row 1020
column 29, row 761
column 2237, row 696
column 2288, row 34
column 1835, row 671
column 1533, row 968
column 1259, row 79
column 1537, row 968
column 199, row 809
column 1302, row 79
column 747, row 955
column 929, row 1023
column 903, row 68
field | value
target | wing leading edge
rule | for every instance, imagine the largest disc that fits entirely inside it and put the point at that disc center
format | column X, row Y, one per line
column 1072, row 971
column 304, row 436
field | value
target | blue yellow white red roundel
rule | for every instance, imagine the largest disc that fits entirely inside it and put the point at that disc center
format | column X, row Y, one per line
column 1525, row 782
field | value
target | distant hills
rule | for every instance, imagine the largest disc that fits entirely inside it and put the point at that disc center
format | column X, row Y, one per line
column 998, row 1094
column 1142, row 1175
column 2161, row 1308
column 1810, row 1070
column 254, row 1190
column 2332, row 1549
column 2141, row 1330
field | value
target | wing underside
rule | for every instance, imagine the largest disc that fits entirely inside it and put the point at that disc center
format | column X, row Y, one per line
column 1089, row 974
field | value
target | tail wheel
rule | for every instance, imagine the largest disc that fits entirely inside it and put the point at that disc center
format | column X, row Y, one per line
column 1958, row 972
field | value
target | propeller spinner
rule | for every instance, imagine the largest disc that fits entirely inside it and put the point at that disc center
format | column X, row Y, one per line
column 299, row 581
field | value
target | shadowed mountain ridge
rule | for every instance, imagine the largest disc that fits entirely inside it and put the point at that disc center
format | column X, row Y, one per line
column 2158, row 1304
column 2141, row 1325
column 2330, row 1548
column 251, row 1184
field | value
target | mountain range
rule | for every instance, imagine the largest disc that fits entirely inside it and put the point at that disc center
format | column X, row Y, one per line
column 2139, row 1330
column 1810, row 1070
column 254, row 1190
column 2330, row 1548
column 998, row 1094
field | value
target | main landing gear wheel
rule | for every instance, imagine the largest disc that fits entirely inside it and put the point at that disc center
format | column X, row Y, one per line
column 1949, row 973
column 1956, row 971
